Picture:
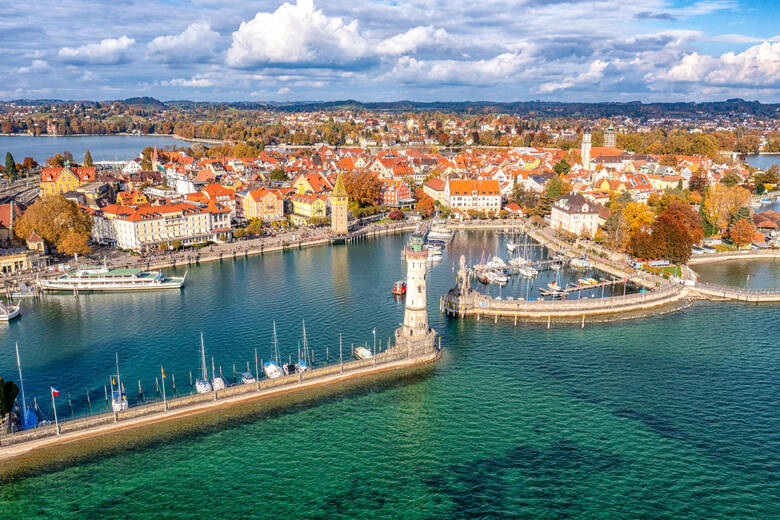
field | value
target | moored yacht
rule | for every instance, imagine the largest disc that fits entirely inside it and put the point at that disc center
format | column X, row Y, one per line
column 103, row 278
column 9, row 312
column 202, row 385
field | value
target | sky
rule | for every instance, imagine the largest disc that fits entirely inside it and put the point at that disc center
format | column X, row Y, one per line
column 423, row 50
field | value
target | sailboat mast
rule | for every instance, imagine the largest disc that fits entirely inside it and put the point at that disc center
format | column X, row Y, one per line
column 21, row 384
column 305, row 344
column 212, row 368
column 203, row 358
column 118, row 379
column 276, row 346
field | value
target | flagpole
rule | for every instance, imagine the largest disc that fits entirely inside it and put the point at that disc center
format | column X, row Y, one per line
column 54, row 406
column 165, row 402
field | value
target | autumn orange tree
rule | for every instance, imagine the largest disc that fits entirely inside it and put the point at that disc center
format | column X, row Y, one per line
column 363, row 188
column 721, row 202
column 59, row 222
column 741, row 233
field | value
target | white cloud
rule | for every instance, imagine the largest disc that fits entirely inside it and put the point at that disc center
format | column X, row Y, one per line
column 194, row 44
column 195, row 81
column 283, row 90
column 498, row 69
column 594, row 73
column 757, row 65
column 35, row 66
column 297, row 35
column 422, row 36
column 110, row 51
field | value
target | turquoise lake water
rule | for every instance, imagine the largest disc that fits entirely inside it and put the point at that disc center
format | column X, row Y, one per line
column 674, row 416
column 102, row 147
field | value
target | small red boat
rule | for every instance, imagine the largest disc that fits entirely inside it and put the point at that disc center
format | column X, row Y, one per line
column 399, row 287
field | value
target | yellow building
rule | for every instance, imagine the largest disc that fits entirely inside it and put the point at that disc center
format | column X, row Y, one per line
column 339, row 202
column 56, row 181
column 264, row 204
column 305, row 207
column 131, row 198
column 311, row 183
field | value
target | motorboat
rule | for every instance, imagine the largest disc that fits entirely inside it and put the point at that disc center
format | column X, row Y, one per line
column 399, row 287
column 496, row 263
column 440, row 232
column 9, row 311
column 580, row 263
column 434, row 249
column 363, row 353
column 518, row 262
column 528, row 271
column 272, row 370
column 248, row 378
column 498, row 277
column 510, row 246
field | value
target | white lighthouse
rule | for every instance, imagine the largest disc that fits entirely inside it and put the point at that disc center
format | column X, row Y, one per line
column 414, row 333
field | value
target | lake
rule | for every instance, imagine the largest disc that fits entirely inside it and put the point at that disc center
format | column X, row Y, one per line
column 674, row 416
column 762, row 161
column 102, row 147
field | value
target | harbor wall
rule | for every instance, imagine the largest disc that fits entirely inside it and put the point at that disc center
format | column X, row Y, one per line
column 706, row 258
column 19, row 444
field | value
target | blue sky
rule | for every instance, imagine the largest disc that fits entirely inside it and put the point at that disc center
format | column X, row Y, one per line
column 496, row 50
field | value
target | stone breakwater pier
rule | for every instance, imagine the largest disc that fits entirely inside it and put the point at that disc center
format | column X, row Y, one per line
column 658, row 295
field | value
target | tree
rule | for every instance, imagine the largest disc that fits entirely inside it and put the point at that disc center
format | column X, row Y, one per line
column 396, row 214
column 55, row 161
column 741, row 233
column 635, row 217
column 29, row 163
column 698, row 182
column 668, row 160
column 363, row 188
column 74, row 243
column 677, row 229
column 721, row 202
column 731, row 179
column 10, row 166
column 87, row 158
column 8, row 393
column 239, row 232
column 425, row 206
column 277, row 174
column 54, row 218
column 562, row 168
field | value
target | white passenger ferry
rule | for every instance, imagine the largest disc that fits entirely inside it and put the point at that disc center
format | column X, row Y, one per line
column 103, row 278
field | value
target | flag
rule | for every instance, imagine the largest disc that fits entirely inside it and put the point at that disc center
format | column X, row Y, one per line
column 54, row 392
column 374, row 331
column 163, row 372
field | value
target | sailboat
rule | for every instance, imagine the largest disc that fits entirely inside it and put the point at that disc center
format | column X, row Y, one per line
column 302, row 365
column 118, row 396
column 27, row 418
column 202, row 385
column 271, row 368
column 217, row 383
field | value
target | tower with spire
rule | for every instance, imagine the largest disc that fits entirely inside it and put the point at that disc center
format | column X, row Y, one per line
column 339, row 202
column 610, row 137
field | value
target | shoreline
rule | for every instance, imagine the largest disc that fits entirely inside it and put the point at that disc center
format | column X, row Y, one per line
column 243, row 395
column 126, row 134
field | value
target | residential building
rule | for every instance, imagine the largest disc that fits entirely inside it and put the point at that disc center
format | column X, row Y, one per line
column 306, row 207
column 265, row 204
column 479, row 195
column 434, row 188
column 56, row 181
column 151, row 225
column 394, row 192
column 575, row 214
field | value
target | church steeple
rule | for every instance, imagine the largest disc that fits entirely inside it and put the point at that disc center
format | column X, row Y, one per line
column 339, row 190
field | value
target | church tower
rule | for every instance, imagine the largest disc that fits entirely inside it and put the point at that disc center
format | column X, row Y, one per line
column 585, row 150
column 610, row 137
column 339, row 202
column 414, row 334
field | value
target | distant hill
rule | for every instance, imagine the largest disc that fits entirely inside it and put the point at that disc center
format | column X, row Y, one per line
column 636, row 109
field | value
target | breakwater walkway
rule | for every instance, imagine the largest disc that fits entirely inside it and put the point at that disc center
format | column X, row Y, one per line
column 392, row 360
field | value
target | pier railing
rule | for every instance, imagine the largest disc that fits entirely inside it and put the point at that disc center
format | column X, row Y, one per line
column 156, row 404
column 725, row 292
